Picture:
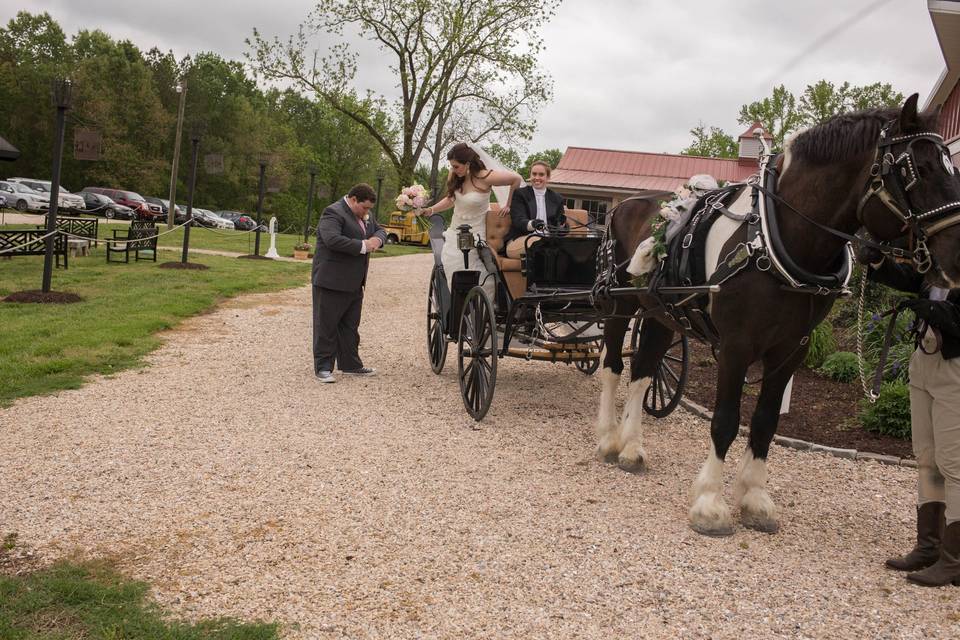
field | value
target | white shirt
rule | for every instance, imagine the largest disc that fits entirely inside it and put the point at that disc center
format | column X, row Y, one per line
column 541, row 197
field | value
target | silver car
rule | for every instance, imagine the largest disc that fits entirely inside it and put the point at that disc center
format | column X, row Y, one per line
column 23, row 198
column 65, row 199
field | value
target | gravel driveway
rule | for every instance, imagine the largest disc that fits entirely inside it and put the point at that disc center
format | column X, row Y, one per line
column 374, row 508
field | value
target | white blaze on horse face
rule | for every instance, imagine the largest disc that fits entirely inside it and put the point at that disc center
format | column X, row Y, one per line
column 632, row 454
column 750, row 488
column 607, row 441
column 709, row 513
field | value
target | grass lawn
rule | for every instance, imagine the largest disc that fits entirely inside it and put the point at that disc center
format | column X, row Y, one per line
column 237, row 241
column 47, row 348
column 92, row 600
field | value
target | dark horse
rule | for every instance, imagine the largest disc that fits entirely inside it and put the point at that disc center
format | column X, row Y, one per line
column 885, row 170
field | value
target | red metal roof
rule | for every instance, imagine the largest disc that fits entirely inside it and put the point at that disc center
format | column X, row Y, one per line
column 634, row 170
column 756, row 125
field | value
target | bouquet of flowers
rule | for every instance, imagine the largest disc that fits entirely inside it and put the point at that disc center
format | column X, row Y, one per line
column 413, row 198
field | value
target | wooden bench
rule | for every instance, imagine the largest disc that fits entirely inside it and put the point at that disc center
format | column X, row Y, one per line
column 87, row 228
column 141, row 236
column 30, row 242
column 512, row 269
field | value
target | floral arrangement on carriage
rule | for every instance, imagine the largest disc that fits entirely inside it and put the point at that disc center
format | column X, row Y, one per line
column 414, row 198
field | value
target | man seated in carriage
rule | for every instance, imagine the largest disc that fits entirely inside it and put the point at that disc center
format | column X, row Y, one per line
column 533, row 209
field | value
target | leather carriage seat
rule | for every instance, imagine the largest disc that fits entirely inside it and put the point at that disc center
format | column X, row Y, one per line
column 497, row 229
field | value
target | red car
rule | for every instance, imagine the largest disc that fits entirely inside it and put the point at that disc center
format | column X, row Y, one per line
column 144, row 210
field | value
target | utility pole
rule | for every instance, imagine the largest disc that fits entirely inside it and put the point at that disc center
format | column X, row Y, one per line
column 182, row 90
column 60, row 96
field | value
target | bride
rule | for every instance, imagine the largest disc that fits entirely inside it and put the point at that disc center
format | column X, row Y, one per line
column 473, row 175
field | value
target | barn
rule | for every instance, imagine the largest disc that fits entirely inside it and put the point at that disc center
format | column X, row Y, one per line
column 945, row 15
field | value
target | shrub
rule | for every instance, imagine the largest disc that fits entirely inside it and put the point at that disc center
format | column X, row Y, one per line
column 890, row 414
column 841, row 366
column 822, row 344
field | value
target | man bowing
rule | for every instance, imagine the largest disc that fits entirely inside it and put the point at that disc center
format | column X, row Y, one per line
column 345, row 238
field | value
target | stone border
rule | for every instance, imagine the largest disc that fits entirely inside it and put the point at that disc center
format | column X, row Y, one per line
column 803, row 445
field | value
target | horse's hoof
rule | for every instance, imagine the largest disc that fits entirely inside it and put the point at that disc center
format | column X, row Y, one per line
column 758, row 522
column 610, row 457
column 713, row 530
column 632, row 466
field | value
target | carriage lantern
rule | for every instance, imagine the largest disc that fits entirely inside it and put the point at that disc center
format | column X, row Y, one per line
column 465, row 243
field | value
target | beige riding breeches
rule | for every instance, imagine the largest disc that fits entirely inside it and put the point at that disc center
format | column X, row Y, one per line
column 935, row 418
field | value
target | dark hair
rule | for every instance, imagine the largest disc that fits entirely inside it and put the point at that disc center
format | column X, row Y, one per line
column 363, row 193
column 542, row 163
column 463, row 154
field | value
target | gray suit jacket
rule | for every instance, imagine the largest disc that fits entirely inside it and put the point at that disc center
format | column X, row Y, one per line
column 337, row 262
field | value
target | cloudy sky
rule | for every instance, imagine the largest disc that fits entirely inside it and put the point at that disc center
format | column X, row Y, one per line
column 629, row 74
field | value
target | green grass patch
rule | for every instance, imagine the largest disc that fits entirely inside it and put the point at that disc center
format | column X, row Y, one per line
column 94, row 601
column 48, row 348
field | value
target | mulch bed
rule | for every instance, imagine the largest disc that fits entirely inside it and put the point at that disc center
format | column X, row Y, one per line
column 822, row 410
column 37, row 296
column 184, row 265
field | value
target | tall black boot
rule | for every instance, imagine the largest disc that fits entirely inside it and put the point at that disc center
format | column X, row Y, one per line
column 930, row 525
column 946, row 570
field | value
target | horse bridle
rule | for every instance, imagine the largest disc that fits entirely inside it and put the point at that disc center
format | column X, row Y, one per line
column 892, row 177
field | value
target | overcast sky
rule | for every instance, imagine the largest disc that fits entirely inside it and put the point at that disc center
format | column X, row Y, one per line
column 629, row 74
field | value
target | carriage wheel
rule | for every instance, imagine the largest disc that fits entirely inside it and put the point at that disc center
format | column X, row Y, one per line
column 670, row 378
column 589, row 366
column 477, row 353
column 436, row 340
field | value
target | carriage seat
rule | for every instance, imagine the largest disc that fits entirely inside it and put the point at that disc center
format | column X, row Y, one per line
column 512, row 269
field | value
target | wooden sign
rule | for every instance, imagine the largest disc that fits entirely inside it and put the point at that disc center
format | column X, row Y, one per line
column 87, row 144
column 213, row 163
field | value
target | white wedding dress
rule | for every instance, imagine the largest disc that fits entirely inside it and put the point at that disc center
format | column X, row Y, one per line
column 468, row 208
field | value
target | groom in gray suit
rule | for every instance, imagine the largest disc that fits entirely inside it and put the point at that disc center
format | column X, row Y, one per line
column 346, row 235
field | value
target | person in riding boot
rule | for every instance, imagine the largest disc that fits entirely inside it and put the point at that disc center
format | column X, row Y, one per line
column 935, row 422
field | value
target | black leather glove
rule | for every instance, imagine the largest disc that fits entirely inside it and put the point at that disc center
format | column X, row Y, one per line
column 538, row 224
column 868, row 255
column 939, row 314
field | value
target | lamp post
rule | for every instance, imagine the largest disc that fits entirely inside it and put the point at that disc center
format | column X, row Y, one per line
column 263, row 175
column 195, row 143
column 380, row 175
column 182, row 90
column 306, row 224
column 60, row 96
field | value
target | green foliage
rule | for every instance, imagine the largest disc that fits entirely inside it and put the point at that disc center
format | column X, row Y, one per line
column 890, row 414
column 130, row 97
column 92, row 600
column 782, row 113
column 822, row 344
column 550, row 156
column 713, row 144
column 841, row 366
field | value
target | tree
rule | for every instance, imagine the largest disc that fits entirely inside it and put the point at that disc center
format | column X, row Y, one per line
column 778, row 114
column 823, row 100
column 444, row 53
column 714, row 143
column 550, row 156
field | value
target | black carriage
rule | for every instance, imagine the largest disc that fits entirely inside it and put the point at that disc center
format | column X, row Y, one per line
column 556, row 318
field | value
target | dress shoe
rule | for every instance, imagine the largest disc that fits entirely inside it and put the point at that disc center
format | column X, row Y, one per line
column 362, row 371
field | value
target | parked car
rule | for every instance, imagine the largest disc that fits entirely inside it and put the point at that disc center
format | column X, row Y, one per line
column 241, row 221
column 165, row 207
column 65, row 199
column 207, row 218
column 102, row 205
column 23, row 198
column 132, row 199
